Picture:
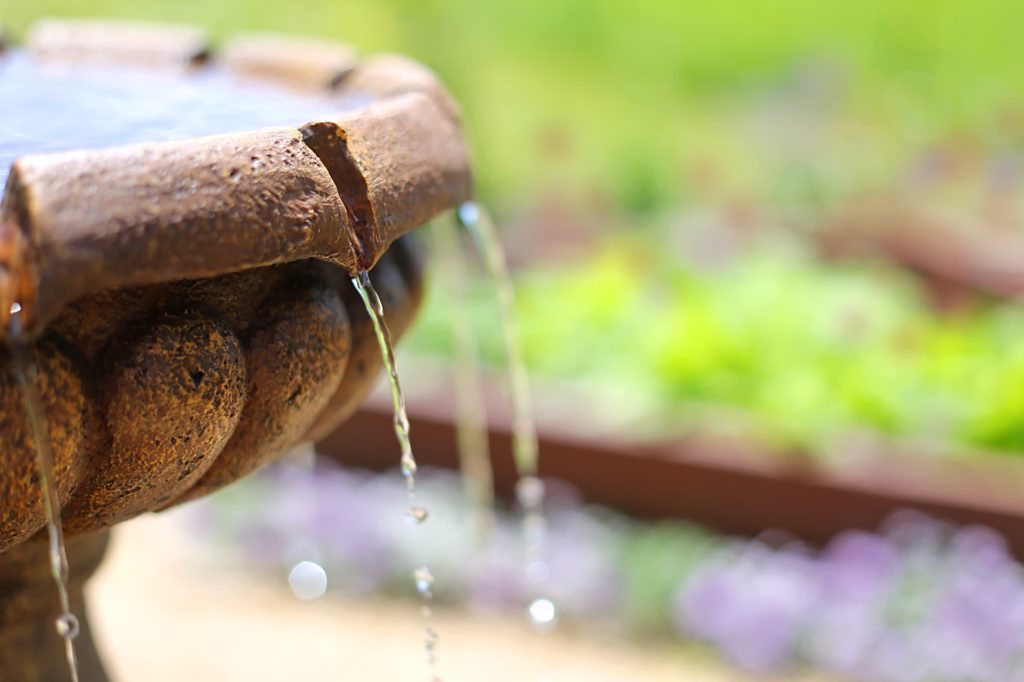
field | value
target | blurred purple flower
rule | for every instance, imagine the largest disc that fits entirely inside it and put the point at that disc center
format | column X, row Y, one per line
column 858, row 565
column 919, row 601
column 752, row 606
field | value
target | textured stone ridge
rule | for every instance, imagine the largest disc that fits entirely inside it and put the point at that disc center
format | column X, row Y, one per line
column 122, row 216
column 160, row 46
column 378, row 157
column 299, row 63
column 163, row 393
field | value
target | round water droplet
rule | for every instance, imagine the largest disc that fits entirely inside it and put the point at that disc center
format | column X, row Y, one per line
column 15, row 308
column 424, row 580
column 308, row 580
column 468, row 213
column 67, row 626
column 530, row 492
column 416, row 515
column 542, row 613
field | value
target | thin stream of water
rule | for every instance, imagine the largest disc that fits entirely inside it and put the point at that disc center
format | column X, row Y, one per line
column 416, row 515
column 27, row 374
column 524, row 448
column 376, row 311
column 529, row 488
column 470, row 415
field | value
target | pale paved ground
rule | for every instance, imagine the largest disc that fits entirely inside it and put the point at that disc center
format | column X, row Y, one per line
column 163, row 615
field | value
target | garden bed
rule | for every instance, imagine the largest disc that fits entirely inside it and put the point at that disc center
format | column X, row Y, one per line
column 732, row 484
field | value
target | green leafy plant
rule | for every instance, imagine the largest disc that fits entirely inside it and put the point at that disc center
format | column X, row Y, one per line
column 794, row 349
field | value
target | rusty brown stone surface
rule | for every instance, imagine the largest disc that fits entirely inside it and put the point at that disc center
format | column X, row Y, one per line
column 379, row 156
column 386, row 75
column 70, row 416
column 298, row 351
column 161, row 46
column 298, row 63
column 201, row 383
column 90, row 221
column 172, row 393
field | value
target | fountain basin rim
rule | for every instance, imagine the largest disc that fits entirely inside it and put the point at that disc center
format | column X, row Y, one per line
column 75, row 223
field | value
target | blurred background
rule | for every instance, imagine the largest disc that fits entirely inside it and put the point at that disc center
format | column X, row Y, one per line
column 768, row 257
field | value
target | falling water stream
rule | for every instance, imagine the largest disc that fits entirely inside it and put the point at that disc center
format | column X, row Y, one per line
column 27, row 373
column 470, row 415
column 529, row 487
column 471, row 420
column 416, row 514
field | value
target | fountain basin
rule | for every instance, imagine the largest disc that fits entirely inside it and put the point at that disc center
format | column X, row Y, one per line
column 183, row 276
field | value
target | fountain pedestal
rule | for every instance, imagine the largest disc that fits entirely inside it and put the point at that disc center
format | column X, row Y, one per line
column 30, row 651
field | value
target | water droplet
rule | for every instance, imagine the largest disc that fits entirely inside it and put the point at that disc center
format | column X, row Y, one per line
column 542, row 613
column 15, row 308
column 530, row 492
column 430, row 644
column 416, row 515
column 424, row 580
column 308, row 580
column 408, row 465
column 468, row 213
column 68, row 626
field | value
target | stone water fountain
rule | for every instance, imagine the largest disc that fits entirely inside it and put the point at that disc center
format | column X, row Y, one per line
column 189, row 300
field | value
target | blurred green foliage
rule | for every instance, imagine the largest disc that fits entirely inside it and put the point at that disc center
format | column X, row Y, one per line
column 619, row 99
column 775, row 344
column 656, row 559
